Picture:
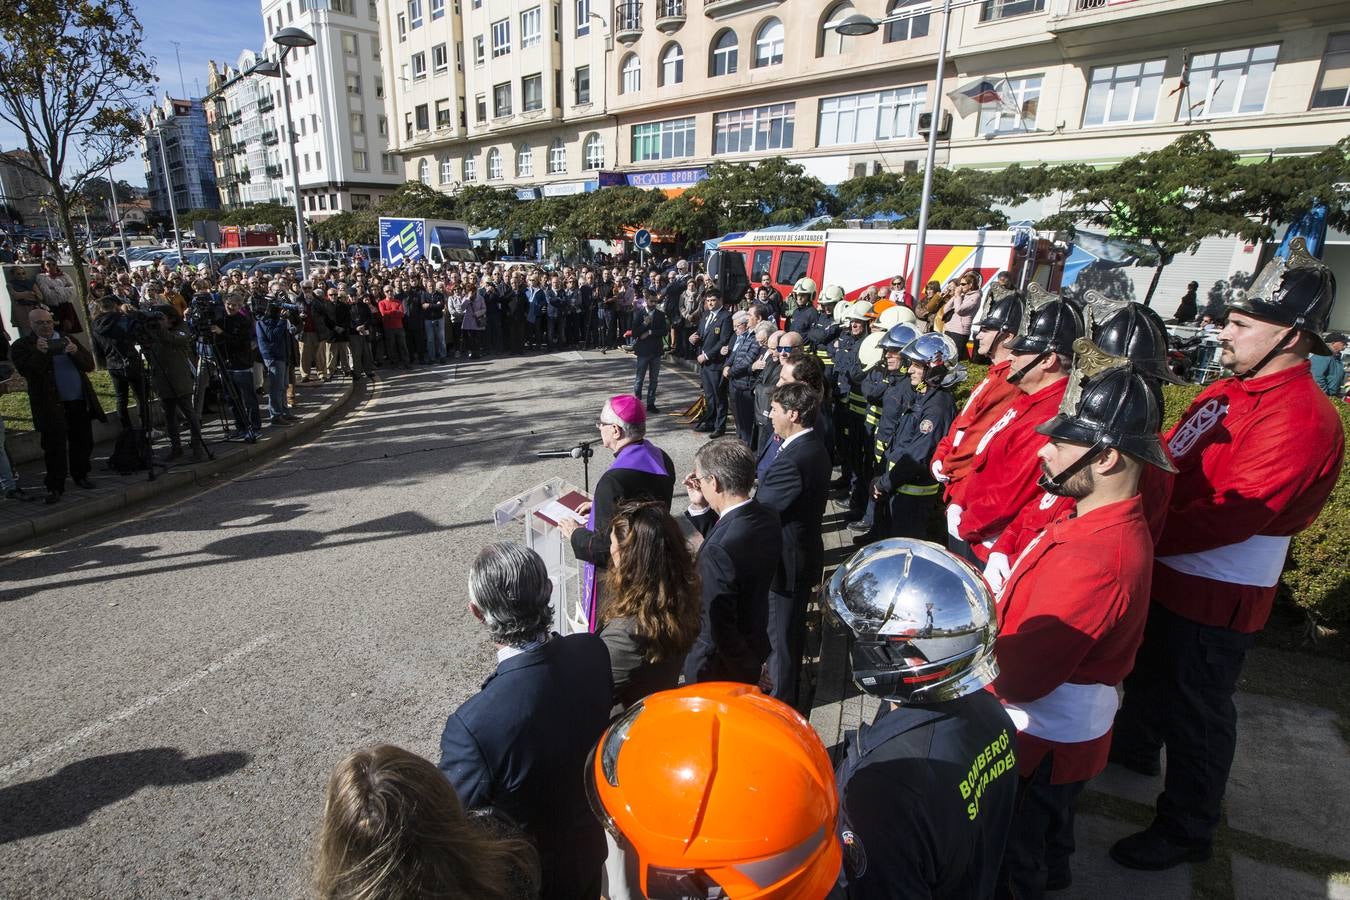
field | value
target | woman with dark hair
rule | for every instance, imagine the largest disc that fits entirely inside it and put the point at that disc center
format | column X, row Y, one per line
column 394, row 828
column 650, row 611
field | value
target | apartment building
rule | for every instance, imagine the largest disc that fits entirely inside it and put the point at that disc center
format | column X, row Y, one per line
column 336, row 93
column 500, row 92
column 25, row 199
column 180, row 126
column 242, row 116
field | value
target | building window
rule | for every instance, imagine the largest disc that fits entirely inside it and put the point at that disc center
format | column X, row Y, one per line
column 630, row 75
column 402, row 28
column 1333, row 84
column 759, row 128
column 407, row 126
column 557, row 22
column 832, row 42
column 424, row 172
column 359, row 160
column 582, row 80
column 769, row 44
column 724, row 54
column 531, row 24
column 423, row 117
column 480, row 109
column 583, row 17
column 459, row 56
column 375, row 46
column 557, row 157
column 478, row 52
column 1231, row 82
column 1015, row 112
column 1006, row 9
column 437, row 9
column 440, row 58
column 501, row 99
column 1121, row 94
column 358, row 123
column 414, row 14
column 470, row 169
column 875, row 116
column 593, row 153
column 501, row 37
column 447, row 170
column 494, row 165
column 443, row 113
column 349, row 46
column 353, row 85
column 672, row 66
column 671, row 139
column 419, row 66
column 532, row 92
column 379, row 86
column 387, row 162
column 525, row 162
column 916, row 26
column 384, row 126
column 360, row 201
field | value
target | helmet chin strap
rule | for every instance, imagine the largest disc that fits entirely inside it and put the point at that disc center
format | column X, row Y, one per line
column 1055, row 484
column 1017, row 376
column 1270, row 354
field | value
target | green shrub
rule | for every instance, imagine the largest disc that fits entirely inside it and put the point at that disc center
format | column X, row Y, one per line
column 1317, row 574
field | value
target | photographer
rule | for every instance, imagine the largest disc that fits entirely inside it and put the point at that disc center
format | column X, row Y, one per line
column 236, row 347
column 169, row 349
column 115, row 341
column 274, row 333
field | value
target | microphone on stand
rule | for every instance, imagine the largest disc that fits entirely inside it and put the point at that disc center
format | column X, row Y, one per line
column 581, row 451
column 573, row 453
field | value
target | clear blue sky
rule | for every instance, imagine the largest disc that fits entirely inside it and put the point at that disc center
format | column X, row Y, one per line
column 204, row 31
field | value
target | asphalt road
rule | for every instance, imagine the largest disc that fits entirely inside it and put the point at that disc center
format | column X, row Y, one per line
column 178, row 685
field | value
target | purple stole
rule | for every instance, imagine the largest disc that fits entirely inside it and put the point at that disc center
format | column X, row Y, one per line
column 640, row 457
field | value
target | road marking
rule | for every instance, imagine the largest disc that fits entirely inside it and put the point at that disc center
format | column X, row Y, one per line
column 141, row 705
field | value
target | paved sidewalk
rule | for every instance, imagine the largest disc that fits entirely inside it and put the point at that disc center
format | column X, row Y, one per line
column 315, row 404
column 1283, row 835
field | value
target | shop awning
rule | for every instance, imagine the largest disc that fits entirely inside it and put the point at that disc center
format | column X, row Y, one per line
column 487, row 234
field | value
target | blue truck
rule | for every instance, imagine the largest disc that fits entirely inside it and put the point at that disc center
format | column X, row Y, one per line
column 438, row 241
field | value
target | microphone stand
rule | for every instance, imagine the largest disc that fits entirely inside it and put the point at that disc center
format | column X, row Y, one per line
column 581, row 451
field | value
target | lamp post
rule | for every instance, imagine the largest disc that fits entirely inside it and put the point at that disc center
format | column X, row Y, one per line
column 286, row 39
column 117, row 211
column 158, row 132
column 857, row 25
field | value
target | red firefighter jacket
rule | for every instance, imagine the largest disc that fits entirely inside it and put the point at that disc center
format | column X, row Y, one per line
column 1003, row 473
column 985, row 404
column 1071, row 616
column 1257, row 459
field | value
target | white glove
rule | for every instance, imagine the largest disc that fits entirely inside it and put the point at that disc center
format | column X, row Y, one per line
column 996, row 571
column 936, row 468
column 954, row 521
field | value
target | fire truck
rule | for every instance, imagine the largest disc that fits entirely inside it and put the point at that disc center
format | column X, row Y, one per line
column 248, row 236
column 856, row 259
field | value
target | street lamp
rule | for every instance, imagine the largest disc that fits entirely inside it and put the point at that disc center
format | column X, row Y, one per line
column 158, row 132
column 857, row 25
column 286, row 39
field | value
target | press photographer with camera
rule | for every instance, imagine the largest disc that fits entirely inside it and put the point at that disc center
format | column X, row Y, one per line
column 275, row 333
column 236, row 338
column 62, row 400
column 115, row 340
column 168, row 348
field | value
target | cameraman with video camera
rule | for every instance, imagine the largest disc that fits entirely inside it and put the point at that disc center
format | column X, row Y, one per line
column 115, row 341
column 168, row 347
column 236, row 334
column 276, row 334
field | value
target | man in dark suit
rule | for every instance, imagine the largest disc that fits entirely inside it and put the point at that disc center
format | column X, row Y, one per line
column 520, row 743
column 745, row 351
column 794, row 486
column 736, row 564
column 61, row 398
column 713, row 336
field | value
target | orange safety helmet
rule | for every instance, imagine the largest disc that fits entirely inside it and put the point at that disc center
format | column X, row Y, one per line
column 719, row 791
column 881, row 306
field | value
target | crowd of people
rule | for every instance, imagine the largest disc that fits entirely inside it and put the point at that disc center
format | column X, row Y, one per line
column 661, row 752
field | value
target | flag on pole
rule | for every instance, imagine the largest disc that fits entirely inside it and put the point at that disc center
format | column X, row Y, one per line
column 970, row 97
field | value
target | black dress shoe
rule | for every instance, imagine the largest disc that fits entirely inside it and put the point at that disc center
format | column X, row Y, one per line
column 1151, row 850
column 859, row 527
column 52, row 497
column 1147, row 767
column 651, row 407
column 714, row 435
column 18, row 494
column 84, row 483
column 703, row 426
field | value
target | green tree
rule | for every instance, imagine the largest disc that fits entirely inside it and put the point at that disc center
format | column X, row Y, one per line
column 484, row 206
column 604, row 214
column 72, row 73
column 361, row 226
column 1167, row 200
column 414, row 200
column 743, row 197
column 1279, row 191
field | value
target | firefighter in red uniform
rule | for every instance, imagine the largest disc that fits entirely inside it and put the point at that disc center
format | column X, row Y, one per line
column 1072, row 611
column 1258, row 454
column 1002, row 476
column 987, row 401
column 1119, row 328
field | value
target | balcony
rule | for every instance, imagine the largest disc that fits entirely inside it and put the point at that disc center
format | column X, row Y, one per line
column 270, row 138
column 240, row 148
column 1079, row 24
column 266, row 104
column 669, row 15
column 273, row 171
column 234, row 118
column 627, row 22
column 720, row 9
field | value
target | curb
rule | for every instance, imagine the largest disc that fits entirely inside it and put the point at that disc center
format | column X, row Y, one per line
column 142, row 490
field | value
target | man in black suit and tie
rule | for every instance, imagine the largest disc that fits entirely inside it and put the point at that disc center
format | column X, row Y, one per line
column 519, row 744
column 741, row 545
column 795, row 486
column 714, row 335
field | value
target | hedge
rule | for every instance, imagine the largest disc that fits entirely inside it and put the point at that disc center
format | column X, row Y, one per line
column 1317, row 573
